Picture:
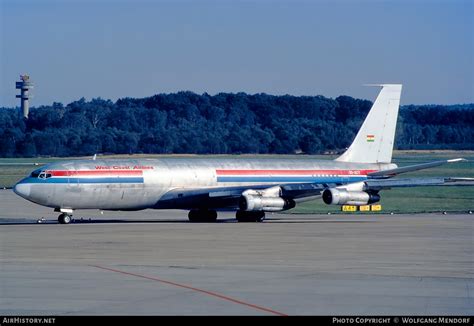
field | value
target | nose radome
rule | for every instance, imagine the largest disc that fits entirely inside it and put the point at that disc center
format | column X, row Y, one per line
column 22, row 189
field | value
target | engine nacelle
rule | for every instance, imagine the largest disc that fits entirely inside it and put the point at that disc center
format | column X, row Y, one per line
column 250, row 202
column 335, row 196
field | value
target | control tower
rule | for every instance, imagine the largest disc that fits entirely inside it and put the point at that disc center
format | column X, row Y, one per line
column 24, row 85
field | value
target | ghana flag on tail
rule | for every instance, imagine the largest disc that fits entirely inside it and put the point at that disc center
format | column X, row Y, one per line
column 370, row 138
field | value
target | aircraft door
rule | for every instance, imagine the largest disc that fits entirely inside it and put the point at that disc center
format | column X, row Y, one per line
column 73, row 180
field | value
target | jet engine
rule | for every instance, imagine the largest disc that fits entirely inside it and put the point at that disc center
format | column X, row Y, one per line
column 268, row 200
column 333, row 196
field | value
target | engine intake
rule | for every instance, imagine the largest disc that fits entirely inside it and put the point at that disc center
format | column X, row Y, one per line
column 335, row 196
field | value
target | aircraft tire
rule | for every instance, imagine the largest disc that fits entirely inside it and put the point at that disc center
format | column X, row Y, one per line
column 64, row 219
column 247, row 217
column 202, row 216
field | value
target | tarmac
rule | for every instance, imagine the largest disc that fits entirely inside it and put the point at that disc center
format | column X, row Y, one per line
column 157, row 263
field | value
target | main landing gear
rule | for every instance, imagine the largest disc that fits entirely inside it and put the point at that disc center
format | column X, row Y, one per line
column 209, row 216
column 243, row 216
column 64, row 218
column 202, row 216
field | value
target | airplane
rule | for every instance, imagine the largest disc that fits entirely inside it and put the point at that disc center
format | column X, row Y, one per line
column 248, row 186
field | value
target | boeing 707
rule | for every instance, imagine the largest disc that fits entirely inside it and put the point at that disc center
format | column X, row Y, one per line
column 250, row 187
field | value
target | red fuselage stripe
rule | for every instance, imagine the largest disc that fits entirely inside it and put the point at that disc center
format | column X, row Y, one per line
column 293, row 172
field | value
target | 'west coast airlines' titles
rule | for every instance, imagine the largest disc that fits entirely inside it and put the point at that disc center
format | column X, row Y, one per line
column 124, row 167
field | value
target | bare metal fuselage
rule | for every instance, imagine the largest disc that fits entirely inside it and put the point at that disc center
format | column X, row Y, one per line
column 155, row 183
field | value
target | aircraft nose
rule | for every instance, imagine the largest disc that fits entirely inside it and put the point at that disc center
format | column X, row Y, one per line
column 22, row 189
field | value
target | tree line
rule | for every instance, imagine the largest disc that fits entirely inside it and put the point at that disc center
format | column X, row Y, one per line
column 226, row 123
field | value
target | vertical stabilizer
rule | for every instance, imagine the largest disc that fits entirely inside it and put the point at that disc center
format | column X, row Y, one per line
column 375, row 139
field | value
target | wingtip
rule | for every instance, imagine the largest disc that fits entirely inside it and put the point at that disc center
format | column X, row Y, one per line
column 457, row 160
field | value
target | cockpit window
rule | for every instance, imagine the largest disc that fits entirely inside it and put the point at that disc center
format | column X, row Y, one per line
column 44, row 175
column 35, row 174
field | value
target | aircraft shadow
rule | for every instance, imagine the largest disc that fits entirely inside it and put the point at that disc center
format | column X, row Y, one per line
column 173, row 221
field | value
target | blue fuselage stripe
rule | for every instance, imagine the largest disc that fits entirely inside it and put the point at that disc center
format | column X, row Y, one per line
column 288, row 179
column 242, row 179
column 85, row 180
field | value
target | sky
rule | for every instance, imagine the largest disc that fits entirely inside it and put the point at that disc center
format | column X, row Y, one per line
column 123, row 48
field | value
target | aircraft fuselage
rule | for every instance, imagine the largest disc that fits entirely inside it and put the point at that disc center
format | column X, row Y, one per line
column 145, row 183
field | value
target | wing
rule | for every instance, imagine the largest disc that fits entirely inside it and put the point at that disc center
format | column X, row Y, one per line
column 366, row 192
column 228, row 197
column 223, row 198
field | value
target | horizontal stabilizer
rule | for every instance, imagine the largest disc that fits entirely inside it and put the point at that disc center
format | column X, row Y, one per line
column 393, row 172
column 377, row 185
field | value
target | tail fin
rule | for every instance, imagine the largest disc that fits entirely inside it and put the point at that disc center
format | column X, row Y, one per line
column 375, row 139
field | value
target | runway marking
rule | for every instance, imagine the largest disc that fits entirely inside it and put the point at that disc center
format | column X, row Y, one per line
column 214, row 294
